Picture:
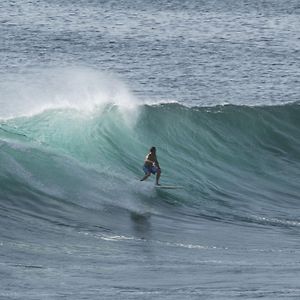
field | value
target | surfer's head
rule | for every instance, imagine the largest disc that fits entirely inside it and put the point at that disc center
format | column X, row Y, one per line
column 152, row 149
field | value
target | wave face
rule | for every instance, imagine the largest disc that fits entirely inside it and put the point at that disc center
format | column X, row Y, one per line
column 70, row 191
column 229, row 159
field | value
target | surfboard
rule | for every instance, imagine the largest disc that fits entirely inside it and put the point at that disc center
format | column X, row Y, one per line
column 168, row 187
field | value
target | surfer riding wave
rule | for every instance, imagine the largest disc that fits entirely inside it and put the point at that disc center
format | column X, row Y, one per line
column 151, row 165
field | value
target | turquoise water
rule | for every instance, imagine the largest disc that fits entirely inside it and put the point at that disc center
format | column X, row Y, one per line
column 86, row 88
column 70, row 190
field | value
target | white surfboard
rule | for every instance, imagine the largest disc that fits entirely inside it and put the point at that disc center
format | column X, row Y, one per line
column 168, row 187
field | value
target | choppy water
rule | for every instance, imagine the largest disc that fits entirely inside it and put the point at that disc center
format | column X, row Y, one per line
column 86, row 87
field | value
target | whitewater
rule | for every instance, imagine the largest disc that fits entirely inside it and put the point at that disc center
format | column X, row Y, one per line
column 87, row 87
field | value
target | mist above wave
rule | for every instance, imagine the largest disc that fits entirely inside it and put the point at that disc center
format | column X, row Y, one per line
column 77, row 88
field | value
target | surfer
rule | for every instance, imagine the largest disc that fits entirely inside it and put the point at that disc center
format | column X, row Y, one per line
column 151, row 165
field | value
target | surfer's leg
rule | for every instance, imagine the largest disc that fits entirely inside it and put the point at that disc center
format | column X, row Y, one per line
column 147, row 172
column 157, row 176
column 145, row 177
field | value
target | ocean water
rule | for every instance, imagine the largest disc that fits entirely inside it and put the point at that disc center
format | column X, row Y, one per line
column 87, row 87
